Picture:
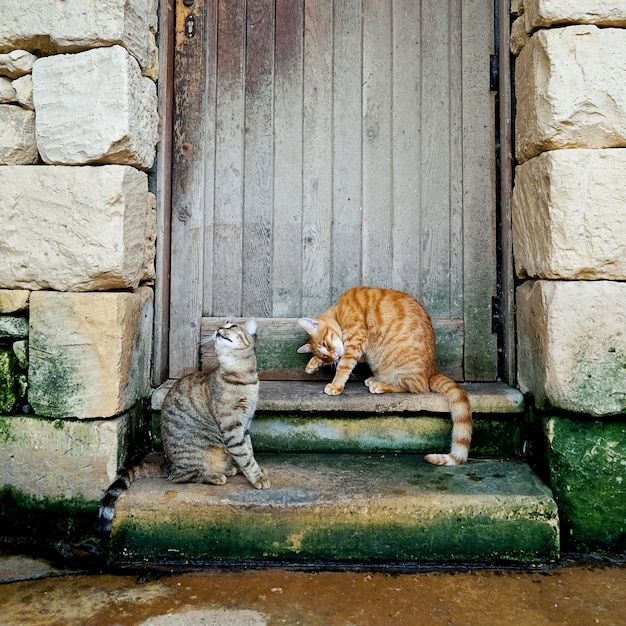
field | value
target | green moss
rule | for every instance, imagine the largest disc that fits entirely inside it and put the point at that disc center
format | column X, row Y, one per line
column 493, row 435
column 587, row 466
column 45, row 521
column 7, row 434
column 279, row 354
column 9, row 384
column 325, row 536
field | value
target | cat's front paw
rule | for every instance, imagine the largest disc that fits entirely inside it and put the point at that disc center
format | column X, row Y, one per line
column 218, row 479
column 332, row 389
column 313, row 365
column 263, row 482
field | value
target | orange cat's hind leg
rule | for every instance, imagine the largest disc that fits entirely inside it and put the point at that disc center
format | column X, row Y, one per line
column 376, row 386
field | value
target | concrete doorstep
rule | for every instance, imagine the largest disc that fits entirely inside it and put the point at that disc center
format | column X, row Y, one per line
column 343, row 509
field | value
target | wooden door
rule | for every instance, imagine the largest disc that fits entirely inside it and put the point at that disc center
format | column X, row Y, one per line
column 321, row 144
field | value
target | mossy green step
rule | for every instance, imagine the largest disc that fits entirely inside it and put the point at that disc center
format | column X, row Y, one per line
column 296, row 416
column 343, row 509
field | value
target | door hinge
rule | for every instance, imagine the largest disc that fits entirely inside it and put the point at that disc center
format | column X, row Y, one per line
column 493, row 72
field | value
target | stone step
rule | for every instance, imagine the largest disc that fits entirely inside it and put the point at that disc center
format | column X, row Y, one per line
column 343, row 509
column 296, row 416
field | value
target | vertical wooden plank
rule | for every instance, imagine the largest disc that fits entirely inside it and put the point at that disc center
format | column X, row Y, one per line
column 376, row 138
column 478, row 192
column 406, row 173
column 226, row 295
column 455, row 184
column 317, row 156
column 435, row 124
column 287, row 261
column 347, row 214
column 258, row 186
column 507, row 286
column 193, row 152
column 165, row 87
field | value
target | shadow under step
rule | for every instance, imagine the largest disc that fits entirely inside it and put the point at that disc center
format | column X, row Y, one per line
column 297, row 416
column 343, row 509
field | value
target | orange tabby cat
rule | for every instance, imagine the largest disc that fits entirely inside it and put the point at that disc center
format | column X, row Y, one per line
column 392, row 332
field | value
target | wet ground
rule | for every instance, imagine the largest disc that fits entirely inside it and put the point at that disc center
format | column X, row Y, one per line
column 589, row 592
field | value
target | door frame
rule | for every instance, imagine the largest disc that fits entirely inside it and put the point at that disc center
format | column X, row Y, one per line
column 504, row 304
column 163, row 173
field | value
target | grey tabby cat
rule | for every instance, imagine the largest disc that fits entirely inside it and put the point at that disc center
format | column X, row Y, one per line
column 205, row 423
column 205, row 419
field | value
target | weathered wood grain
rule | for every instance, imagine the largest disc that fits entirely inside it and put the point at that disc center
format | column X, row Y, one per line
column 288, row 146
column 479, row 215
column 347, row 223
column 332, row 144
column 259, row 166
column 317, row 155
column 163, row 193
column 376, row 141
column 229, row 161
column 192, row 193
column 406, row 173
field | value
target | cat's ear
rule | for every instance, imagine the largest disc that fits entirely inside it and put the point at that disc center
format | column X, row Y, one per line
column 310, row 325
column 305, row 349
column 251, row 326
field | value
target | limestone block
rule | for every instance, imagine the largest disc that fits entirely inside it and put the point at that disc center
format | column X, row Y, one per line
column 20, row 350
column 52, row 26
column 570, row 90
column 152, row 72
column 7, row 92
column 149, row 269
column 73, row 228
column 568, row 215
column 89, row 353
column 23, row 88
column 572, row 345
column 18, row 145
column 13, row 300
column 587, row 461
column 519, row 36
column 61, row 458
column 95, row 107
column 13, row 327
column 17, row 62
column 546, row 13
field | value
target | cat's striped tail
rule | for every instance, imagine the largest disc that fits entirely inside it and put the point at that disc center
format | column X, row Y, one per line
column 461, row 414
column 151, row 467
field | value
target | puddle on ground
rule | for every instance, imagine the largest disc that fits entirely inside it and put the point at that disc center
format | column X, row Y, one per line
column 579, row 594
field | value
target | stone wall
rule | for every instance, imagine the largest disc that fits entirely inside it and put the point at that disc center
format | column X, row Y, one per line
column 569, row 236
column 78, row 132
